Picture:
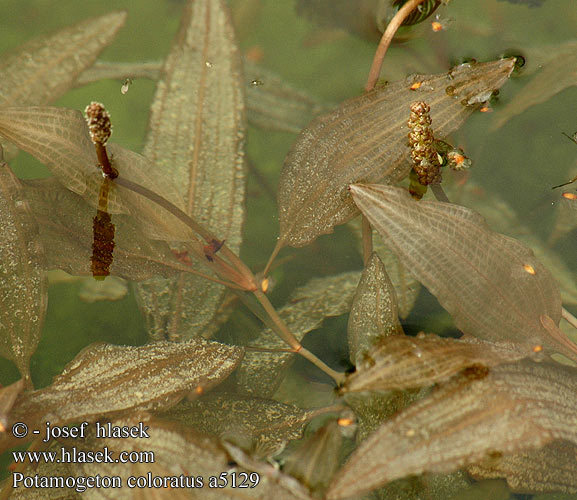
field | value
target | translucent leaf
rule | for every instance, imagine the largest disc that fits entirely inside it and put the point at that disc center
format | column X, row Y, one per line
column 196, row 140
column 407, row 288
column 555, row 74
column 65, row 233
column 45, row 68
column 265, row 425
column 482, row 412
column 261, row 372
column 272, row 104
column 186, row 457
column 365, row 139
column 374, row 311
column 59, row 138
column 400, row 362
column 8, row 396
column 317, row 457
column 548, row 469
column 503, row 219
column 23, row 294
column 107, row 380
column 491, row 284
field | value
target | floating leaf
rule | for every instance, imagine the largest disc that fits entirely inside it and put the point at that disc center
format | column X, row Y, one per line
column 407, row 288
column 400, row 362
column 44, row 69
column 272, row 104
column 492, row 285
column 107, row 380
column 65, row 226
column 59, row 138
column 261, row 372
column 551, row 468
column 365, row 139
column 196, row 140
column 267, row 424
column 373, row 312
column 482, row 412
column 555, row 74
column 23, row 294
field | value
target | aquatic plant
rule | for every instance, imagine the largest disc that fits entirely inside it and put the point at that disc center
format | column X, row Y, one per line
column 412, row 415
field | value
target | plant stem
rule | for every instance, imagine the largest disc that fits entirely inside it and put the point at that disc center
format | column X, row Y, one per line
column 439, row 193
column 367, row 239
column 567, row 316
column 386, row 40
column 285, row 334
column 240, row 271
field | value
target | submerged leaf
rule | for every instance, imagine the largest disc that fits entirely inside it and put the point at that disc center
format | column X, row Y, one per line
column 365, row 139
column 107, row 380
column 44, row 69
column 261, row 372
column 492, row 285
column 196, row 140
column 8, row 397
column 503, row 219
column 548, row 469
column 407, row 288
column 23, row 293
column 59, row 138
column 482, row 412
column 317, row 457
column 400, row 362
column 374, row 311
column 65, row 232
column 267, row 425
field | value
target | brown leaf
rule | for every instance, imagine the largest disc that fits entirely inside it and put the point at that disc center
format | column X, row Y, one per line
column 479, row 413
column 8, row 396
column 106, row 380
column 503, row 219
column 186, row 457
column 59, row 138
column 374, row 311
column 268, row 425
column 45, row 68
column 400, row 362
column 548, row 469
column 261, row 372
column 196, row 139
column 23, row 293
column 317, row 457
column 65, row 232
column 365, row 139
column 492, row 285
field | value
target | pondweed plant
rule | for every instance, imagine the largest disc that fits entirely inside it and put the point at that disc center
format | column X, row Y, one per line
column 414, row 416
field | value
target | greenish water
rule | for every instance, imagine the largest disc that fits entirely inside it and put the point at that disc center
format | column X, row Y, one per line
column 519, row 162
